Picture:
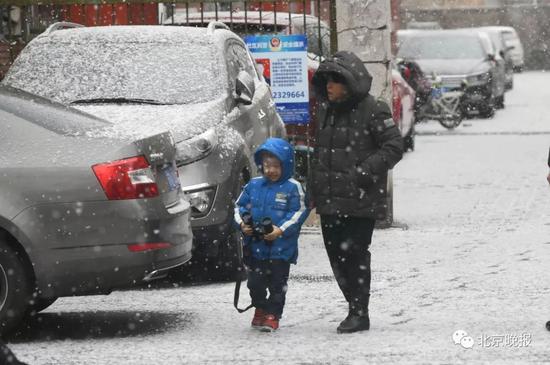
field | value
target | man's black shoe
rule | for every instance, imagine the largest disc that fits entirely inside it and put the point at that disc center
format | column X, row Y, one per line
column 354, row 323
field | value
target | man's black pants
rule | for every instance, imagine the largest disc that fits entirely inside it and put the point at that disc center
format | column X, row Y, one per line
column 347, row 241
column 269, row 275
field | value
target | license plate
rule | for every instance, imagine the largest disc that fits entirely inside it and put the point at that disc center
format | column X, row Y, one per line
column 171, row 177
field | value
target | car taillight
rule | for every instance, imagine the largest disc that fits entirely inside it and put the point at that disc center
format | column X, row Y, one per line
column 139, row 247
column 131, row 178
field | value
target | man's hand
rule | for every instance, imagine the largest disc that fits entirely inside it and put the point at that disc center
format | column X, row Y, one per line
column 277, row 232
column 247, row 230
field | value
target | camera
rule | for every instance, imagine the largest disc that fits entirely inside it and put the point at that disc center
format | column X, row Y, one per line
column 258, row 230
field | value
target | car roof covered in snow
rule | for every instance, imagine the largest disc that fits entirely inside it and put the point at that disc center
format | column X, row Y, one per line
column 500, row 28
column 131, row 33
column 438, row 32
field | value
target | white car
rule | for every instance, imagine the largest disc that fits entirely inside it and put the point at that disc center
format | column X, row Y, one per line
column 512, row 40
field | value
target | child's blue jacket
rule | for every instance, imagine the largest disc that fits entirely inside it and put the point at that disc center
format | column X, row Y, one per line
column 283, row 201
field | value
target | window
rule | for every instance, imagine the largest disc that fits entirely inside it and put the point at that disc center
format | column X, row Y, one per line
column 238, row 59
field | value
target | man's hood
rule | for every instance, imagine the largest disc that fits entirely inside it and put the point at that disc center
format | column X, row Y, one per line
column 139, row 121
column 454, row 67
column 351, row 67
column 280, row 149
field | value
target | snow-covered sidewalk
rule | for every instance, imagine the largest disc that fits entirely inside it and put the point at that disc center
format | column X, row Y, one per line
column 469, row 251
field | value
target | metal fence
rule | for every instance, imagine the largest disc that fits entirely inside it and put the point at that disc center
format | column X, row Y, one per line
column 22, row 20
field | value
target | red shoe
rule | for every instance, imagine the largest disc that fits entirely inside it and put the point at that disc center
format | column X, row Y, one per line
column 270, row 324
column 258, row 320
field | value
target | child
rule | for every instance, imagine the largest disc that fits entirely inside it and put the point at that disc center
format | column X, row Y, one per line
column 277, row 196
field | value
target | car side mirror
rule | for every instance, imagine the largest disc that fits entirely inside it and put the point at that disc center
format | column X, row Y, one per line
column 502, row 54
column 244, row 88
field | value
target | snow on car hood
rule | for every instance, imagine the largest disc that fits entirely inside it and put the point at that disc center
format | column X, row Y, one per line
column 139, row 121
column 454, row 67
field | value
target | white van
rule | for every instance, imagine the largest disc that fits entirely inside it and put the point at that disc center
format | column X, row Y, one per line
column 512, row 40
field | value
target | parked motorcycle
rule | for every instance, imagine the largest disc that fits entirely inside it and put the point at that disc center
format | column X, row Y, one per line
column 443, row 105
column 433, row 100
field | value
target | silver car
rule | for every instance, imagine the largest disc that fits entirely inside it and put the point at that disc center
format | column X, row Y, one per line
column 199, row 83
column 82, row 211
column 459, row 56
column 504, row 50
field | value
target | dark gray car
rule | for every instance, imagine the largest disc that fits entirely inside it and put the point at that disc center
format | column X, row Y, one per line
column 199, row 83
column 458, row 56
column 82, row 211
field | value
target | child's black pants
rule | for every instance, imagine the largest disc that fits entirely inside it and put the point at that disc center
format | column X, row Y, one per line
column 347, row 241
column 269, row 275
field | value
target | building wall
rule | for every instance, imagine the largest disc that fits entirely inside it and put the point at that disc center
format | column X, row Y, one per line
column 462, row 4
column 364, row 28
column 441, row 4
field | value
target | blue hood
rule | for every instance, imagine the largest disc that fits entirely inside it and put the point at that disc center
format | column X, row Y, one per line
column 282, row 150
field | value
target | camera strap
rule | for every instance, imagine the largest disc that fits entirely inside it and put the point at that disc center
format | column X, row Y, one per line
column 238, row 282
column 236, row 298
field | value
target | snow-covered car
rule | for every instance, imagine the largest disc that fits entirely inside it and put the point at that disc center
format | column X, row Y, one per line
column 254, row 22
column 199, row 83
column 403, row 99
column 83, row 210
column 513, row 43
column 458, row 56
column 504, row 50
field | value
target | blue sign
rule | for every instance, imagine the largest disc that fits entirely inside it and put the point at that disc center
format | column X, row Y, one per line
column 283, row 62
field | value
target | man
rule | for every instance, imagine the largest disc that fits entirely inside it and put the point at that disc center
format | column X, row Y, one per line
column 357, row 142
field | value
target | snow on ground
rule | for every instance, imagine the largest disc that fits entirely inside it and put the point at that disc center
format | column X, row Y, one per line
column 469, row 251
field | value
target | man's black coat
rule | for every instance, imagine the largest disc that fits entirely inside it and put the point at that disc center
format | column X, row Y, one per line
column 357, row 142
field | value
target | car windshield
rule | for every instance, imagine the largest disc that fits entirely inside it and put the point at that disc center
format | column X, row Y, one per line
column 116, row 72
column 509, row 37
column 441, row 47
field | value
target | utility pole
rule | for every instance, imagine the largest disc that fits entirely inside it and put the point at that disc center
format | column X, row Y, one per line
column 364, row 28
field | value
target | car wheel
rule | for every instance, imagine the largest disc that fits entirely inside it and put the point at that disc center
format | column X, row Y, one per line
column 499, row 102
column 15, row 288
column 229, row 264
column 487, row 110
column 510, row 85
column 388, row 221
column 38, row 304
column 409, row 140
